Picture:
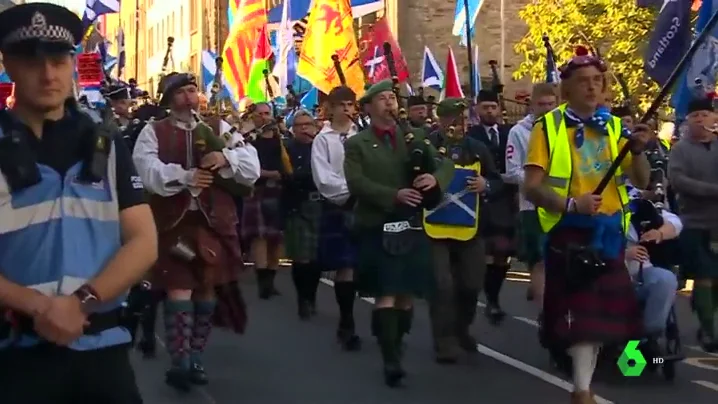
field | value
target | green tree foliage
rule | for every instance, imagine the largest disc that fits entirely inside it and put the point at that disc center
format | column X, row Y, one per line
column 619, row 30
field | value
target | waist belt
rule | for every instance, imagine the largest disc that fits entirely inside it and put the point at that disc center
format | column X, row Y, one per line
column 24, row 325
column 314, row 196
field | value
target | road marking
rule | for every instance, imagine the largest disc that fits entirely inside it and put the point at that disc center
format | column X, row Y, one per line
column 697, row 363
column 545, row 376
column 514, row 363
column 699, row 349
column 528, row 321
column 706, row 384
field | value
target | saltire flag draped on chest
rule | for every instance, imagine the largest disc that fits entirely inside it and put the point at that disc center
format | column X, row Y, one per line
column 249, row 20
column 372, row 47
column 330, row 31
column 96, row 8
column 669, row 41
column 700, row 76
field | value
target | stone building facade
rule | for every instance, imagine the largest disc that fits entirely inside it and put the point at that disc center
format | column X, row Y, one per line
column 419, row 23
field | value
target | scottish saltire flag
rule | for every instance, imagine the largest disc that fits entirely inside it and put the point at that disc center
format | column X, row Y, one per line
column 552, row 73
column 459, row 28
column 209, row 68
column 477, row 71
column 669, row 41
column 96, row 8
column 700, row 76
column 286, row 67
column 375, row 62
column 120, row 52
column 310, row 99
column 431, row 74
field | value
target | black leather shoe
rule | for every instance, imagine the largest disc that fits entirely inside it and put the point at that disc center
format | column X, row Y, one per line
column 198, row 375
column 468, row 343
column 178, row 379
column 349, row 340
column 148, row 347
column 393, row 374
column 304, row 310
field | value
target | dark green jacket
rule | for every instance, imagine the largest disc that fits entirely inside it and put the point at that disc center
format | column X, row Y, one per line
column 374, row 173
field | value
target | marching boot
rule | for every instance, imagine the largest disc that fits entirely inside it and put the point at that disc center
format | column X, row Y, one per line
column 345, row 295
column 387, row 330
column 201, row 331
column 446, row 350
column 263, row 287
column 178, row 318
column 466, row 313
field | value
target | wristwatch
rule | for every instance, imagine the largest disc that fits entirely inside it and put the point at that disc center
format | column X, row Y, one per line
column 87, row 296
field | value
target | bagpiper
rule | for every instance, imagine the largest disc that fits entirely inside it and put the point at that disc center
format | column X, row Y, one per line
column 458, row 250
column 192, row 174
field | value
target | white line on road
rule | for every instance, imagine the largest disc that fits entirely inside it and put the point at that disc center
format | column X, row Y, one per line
column 706, row 384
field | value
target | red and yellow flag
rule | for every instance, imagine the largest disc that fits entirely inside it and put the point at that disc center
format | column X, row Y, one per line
column 249, row 20
column 330, row 31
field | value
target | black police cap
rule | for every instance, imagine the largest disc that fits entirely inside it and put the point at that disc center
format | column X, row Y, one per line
column 37, row 28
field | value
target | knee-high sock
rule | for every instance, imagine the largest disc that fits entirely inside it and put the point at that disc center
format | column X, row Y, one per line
column 299, row 278
column 345, row 293
column 314, row 273
column 703, row 299
column 405, row 320
column 179, row 319
column 203, row 311
column 387, row 331
column 493, row 280
column 584, row 363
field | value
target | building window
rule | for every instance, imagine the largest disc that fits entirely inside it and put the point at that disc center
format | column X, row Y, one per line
column 193, row 14
column 194, row 63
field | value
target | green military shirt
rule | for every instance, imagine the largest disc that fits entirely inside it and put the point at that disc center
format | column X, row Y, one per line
column 375, row 172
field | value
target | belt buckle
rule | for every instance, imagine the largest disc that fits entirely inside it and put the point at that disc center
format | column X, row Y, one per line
column 315, row 197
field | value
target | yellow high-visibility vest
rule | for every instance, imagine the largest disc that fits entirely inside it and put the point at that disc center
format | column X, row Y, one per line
column 560, row 166
column 444, row 231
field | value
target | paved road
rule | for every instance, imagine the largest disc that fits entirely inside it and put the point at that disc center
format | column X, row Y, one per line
column 284, row 361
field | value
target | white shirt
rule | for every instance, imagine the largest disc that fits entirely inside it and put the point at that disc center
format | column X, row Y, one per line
column 170, row 179
column 632, row 238
column 328, row 164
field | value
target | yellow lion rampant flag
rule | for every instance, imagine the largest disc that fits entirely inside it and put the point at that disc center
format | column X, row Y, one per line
column 330, row 32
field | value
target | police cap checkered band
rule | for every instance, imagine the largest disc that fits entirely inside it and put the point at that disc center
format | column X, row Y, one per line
column 38, row 24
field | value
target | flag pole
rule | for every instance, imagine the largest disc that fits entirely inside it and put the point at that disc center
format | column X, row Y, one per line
column 137, row 39
column 472, row 78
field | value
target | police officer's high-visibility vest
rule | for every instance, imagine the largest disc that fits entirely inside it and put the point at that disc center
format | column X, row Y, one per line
column 666, row 143
column 57, row 235
column 560, row 166
column 457, row 216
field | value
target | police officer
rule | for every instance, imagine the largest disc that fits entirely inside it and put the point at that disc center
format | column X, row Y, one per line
column 458, row 250
column 75, row 231
column 120, row 101
column 393, row 259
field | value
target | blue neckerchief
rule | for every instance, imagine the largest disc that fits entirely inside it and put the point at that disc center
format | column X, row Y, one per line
column 608, row 238
column 598, row 122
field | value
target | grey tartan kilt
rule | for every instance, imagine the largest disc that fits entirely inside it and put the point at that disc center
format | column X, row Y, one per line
column 301, row 232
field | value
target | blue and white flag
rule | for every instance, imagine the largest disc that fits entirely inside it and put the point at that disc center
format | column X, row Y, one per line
column 209, row 68
column 669, row 41
column 286, row 67
column 477, row 71
column 431, row 74
column 96, row 8
column 459, row 28
column 120, row 52
column 700, row 76
column 310, row 99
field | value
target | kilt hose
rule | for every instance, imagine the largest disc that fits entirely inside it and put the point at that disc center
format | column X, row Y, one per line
column 301, row 232
column 606, row 311
column 262, row 216
column 337, row 247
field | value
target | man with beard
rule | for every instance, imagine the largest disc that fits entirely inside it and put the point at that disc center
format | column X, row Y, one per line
column 393, row 256
column 457, row 247
column 302, row 206
column 190, row 174
column 337, row 251
column 501, row 226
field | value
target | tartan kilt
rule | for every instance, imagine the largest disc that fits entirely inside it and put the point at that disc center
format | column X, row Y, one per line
column 605, row 312
column 231, row 310
column 262, row 216
column 337, row 247
column 301, row 232
column 500, row 241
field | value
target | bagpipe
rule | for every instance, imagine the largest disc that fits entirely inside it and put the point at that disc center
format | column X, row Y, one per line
column 420, row 160
column 498, row 88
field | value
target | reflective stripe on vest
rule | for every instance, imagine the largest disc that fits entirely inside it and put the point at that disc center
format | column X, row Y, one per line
column 454, row 218
column 57, row 235
column 560, row 166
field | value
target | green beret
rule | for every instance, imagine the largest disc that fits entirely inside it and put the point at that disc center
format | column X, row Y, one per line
column 451, row 107
column 380, row 87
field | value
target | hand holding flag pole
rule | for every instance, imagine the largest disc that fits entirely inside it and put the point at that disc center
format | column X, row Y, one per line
column 677, row 71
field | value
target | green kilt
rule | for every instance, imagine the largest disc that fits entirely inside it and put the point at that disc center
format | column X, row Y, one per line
column 301, row 233
column 531, row 238
column 699, row 260
column 380, row 273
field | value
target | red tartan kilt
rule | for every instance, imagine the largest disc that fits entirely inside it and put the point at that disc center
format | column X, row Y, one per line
column 607, row 311
column 231, row 310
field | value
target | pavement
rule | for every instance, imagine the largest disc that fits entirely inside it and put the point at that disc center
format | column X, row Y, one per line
column 282, row 360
